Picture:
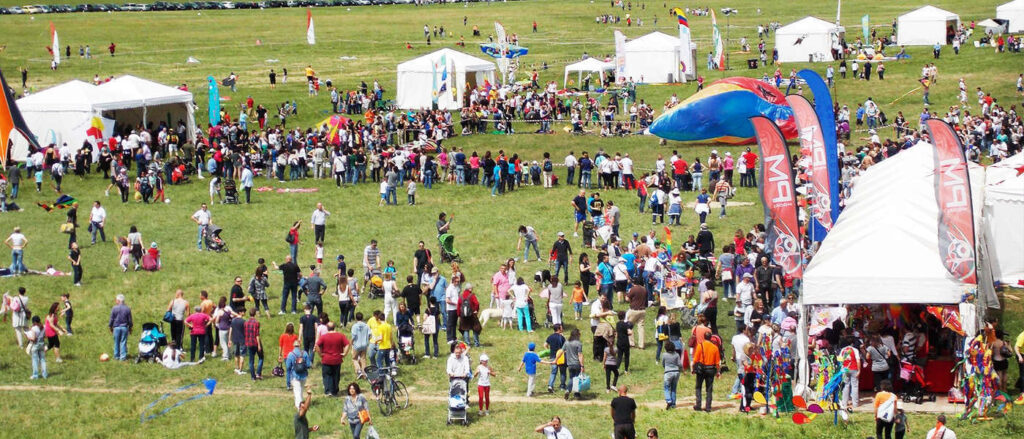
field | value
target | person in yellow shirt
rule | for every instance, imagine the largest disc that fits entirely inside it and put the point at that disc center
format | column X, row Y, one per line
column 385, row 343
column 374, row 323
column 310, row 73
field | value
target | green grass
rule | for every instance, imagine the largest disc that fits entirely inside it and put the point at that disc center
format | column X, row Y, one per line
column 155, row 45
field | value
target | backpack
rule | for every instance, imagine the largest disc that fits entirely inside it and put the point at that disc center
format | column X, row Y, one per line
column 300, row 365
column 887, row 410
column 289, row 238
column 547, row 166
column 466, row 308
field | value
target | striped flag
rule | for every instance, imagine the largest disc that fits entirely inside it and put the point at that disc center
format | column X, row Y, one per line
column 10, row 120
column 310, row 33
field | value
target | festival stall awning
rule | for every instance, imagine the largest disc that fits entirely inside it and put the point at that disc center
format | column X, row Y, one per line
column 885, row 247
column 1004, row 218
column 589, row 65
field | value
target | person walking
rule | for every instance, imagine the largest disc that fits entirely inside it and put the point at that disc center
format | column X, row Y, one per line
column 562, row 250
column 37, row 348
column 555, row 344
column 623, row 411
column 53, row 331
column 297, row 363
column 637, row 313
column 670, row 361
column 247, row 183
column 120, row 325
column 356, row 409
column 530, row 236
column 332, row 348
column 254, row 345
column 290, row 275
column 573, row 351
column 17, row 243
column 885, row 410
column 301, row 424
column 707, row 365
column 202, row 218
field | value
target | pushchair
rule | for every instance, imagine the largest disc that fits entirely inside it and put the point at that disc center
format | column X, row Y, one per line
column 230, row 192
column 214, row 242
column 376, row 284
column 588, row 234
column 406, row 344
column 913, row 383
column 448, row 251
column 457, row 402
column 151, row 341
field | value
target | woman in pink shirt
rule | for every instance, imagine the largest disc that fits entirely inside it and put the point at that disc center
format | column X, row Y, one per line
column 728, row 164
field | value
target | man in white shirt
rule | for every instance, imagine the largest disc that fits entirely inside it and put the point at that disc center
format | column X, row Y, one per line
column 626, row 166
column 97, row 220
column 246, row 181
column 458, row 364
column 554, row 429
column 570, row 166
column 318, row 221
column 202, row 218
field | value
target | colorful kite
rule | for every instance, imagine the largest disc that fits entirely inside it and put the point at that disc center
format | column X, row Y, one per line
column 10, row 120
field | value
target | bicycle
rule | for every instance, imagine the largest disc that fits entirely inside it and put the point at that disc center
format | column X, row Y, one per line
column 391, row 393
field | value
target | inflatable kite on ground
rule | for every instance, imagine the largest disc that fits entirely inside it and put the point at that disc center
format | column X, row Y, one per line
column 495, row 50
column 720, row 112
column 209, row 384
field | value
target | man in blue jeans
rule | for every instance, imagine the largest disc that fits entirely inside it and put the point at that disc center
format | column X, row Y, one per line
column 254, row 345
column 290, row 275
column 562, row 250
column 554, row 343
column 203, row 219
column 120, row 325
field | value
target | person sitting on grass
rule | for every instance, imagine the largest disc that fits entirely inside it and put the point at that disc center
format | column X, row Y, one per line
column 172, row 357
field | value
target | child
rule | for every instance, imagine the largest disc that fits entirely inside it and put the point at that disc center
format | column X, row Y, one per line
column 578, row 297
column 611, row 366
column 483, row 385
column 69, row 313
column 390, row 268
column 412, row 192
column 900, row 421
column 508, row 312
column 124, row 254
column 319, row 255
column 39, row 180
column 353, row 288
column 383, row 192
column 530, row 360
column 37, row 348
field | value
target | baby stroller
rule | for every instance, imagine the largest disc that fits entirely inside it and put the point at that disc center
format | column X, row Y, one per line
column 448, row 252
column 457, row 403
column 407, row 344
column 213, row 240
column 150, row 343
column 376, row 283
column 588, row 233
column 912, row 380
column 230, row 192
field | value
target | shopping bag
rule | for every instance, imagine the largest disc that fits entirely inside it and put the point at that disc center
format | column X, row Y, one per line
column 581, row 383
column 371, row 433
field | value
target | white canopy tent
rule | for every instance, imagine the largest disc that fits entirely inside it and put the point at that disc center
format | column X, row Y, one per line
column 807, row 39
column 58, row 115
column 416, row 79
column 885, row 246
column 1014, row 12
column 884, row 249
column 589, row 65
column 653, row 59
column 1004, row 219
column 992, row 26
column 925, row 26
column 133, row 101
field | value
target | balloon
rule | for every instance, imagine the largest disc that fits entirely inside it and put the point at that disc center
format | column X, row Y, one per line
column 720, row 113
column 798, row 402
column 759, row 398
column 815, row 408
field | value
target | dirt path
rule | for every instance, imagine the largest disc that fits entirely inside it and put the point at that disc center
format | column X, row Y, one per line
column 683, row 401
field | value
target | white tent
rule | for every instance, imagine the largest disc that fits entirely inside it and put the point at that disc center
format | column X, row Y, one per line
column 1004, row 218
column 1014, row 12
column 992, row 26
column 653, row 59
column 925, row 26
column 132, row 101
column 416, row 79
column 59, row 115
column 63, row 114
column 806, row 39
column 885, row 246
column 589, row 65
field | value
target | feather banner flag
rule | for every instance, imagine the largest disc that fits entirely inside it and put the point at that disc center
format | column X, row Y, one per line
column 54, row 43
column 11, row 120
column 956, row 225
column 214, row 102
column 685, row 54
column 779, row 197
column 716, row 40
column 310, row 33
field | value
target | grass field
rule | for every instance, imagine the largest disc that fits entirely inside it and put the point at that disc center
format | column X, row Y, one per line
column 155, row 46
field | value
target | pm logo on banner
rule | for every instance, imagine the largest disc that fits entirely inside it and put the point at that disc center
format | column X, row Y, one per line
column 779, row 198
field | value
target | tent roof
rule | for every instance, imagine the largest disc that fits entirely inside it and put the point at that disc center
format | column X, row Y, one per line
column 464, row 62
column 885, row 247
column 1003, row 182
column 590, row 65
column 1014, row 5
column 929, row 12
column 807, row 25
column 653, row 40
column 73, row 95
column 988, row 22
column 133, row 92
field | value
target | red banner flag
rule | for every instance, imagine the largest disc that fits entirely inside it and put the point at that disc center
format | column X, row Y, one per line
column 956, row 212
column 812, row 140
column 10, row 120
column 779, row 197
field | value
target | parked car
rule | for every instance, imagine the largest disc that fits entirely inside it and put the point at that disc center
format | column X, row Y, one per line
column 227, row 5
